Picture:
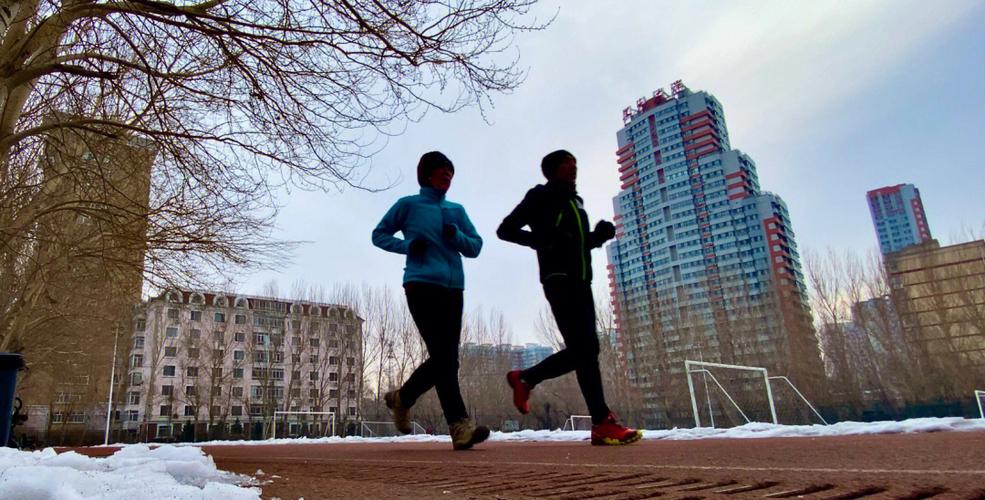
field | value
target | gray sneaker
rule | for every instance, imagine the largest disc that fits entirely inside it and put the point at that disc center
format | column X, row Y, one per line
column 401, row 414
column 465, row 434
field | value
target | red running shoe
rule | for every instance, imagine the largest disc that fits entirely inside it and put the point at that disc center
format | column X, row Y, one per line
column 610, row 432
column 521, row 393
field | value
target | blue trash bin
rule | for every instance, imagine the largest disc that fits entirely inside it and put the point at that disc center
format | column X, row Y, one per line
column 10, row 364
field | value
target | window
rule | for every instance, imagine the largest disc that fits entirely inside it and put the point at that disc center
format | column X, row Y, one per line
column 295, row 359
column 352, row 411
column 332, row 360
column 172, row 313
column 141, row 324
column 240, row 319
column 189, row 411
column 256, row 409
column 170, row 351
column 216, row 410
column 333, row 393
column 313, row 376
column 77, row 417
column 313, row 359
column 239, row 337
column 237, row 411
column 138, row 342
column 313, row 393
column 260, row 356
column 136, row 360
column 167, row 390
column 169, row 370
column 278, row 356
column 192, row 371
column 196, row 334
column 165, row 410
column 239, row 355
column 196, row 315
column 350, row 360
column 313, row 341
column 260, row 338
column 218, row 336
column 237, row 392
column 256, row 392
column 190, row 390
column 193, row 352
column 220, row 317
column 172, row 332
column 277, row 374
column 136, row 378
column 216, row 373
column 295, row 325
column 237, row 373
column 333, row 377
column 296, row 375
column 132, row 415
column 216, row 391
column 296, row 392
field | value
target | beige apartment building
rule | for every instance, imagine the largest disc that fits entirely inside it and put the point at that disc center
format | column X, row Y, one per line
column 224, row 364
column 940, row 295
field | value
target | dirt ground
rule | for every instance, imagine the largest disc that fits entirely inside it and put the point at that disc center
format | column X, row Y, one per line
column 934, row 465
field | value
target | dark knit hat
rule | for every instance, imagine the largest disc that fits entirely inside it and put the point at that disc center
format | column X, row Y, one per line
column 552, row 161
column 429, row 162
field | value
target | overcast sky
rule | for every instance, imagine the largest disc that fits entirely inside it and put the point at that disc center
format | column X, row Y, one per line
column 830, row 99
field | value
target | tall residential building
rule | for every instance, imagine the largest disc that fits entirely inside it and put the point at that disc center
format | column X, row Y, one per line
column 898, row 217
column 215, row 360
column 704, row 265
column 86, row 270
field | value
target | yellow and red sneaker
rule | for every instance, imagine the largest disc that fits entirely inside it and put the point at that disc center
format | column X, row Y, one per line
column 611, row 433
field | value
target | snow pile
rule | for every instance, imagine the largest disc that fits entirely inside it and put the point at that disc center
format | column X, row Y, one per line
column 753, row 430
column 136, row 471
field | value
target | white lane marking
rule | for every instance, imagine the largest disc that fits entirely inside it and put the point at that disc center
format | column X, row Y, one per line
column 966, row 472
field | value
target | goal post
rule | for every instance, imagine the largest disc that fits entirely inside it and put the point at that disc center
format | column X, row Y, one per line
column 692, row 367
column 573, row 421
column 979, row 397
column 331, row 419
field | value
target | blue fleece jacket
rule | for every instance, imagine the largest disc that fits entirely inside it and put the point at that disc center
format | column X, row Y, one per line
column 423, row 216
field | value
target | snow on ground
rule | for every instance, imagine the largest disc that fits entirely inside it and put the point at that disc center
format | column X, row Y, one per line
column 136, row 471
column 753, row 430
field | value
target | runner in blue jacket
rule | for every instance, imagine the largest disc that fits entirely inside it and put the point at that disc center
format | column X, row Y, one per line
column 436, row 234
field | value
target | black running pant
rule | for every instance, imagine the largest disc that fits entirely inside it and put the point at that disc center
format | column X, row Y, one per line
column 437, row 312
column 574, row 310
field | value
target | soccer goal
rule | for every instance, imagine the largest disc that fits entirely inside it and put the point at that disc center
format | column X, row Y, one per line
column 980, row 398
column 386, row 429
column 578, row 423
column 705, row 369
column 308, row 423
column 756, row 385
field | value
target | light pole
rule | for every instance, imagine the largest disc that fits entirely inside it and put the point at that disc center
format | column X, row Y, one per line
column 112, row 376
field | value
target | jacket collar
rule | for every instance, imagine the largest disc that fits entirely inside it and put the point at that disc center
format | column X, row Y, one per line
column 432, row 194
column 563, row 188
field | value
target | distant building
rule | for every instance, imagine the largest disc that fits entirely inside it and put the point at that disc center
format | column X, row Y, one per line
column 898, row 217
column 214, row 360
column 517, row 357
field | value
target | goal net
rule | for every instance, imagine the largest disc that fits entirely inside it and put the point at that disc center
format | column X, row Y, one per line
column 386, row 429
column 293, row 424
column 578, row 423
column 729, row 395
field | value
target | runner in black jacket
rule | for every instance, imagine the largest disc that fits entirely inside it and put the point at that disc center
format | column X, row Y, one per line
column 559, row 232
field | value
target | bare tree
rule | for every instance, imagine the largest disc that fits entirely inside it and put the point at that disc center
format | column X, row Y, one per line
column 231, row 99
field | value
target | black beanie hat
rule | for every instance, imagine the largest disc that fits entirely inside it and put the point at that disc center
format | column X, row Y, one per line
column 552, row 161
column 429, row 162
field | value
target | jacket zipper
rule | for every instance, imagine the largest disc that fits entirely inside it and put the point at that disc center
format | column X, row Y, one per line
column 581, row 235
